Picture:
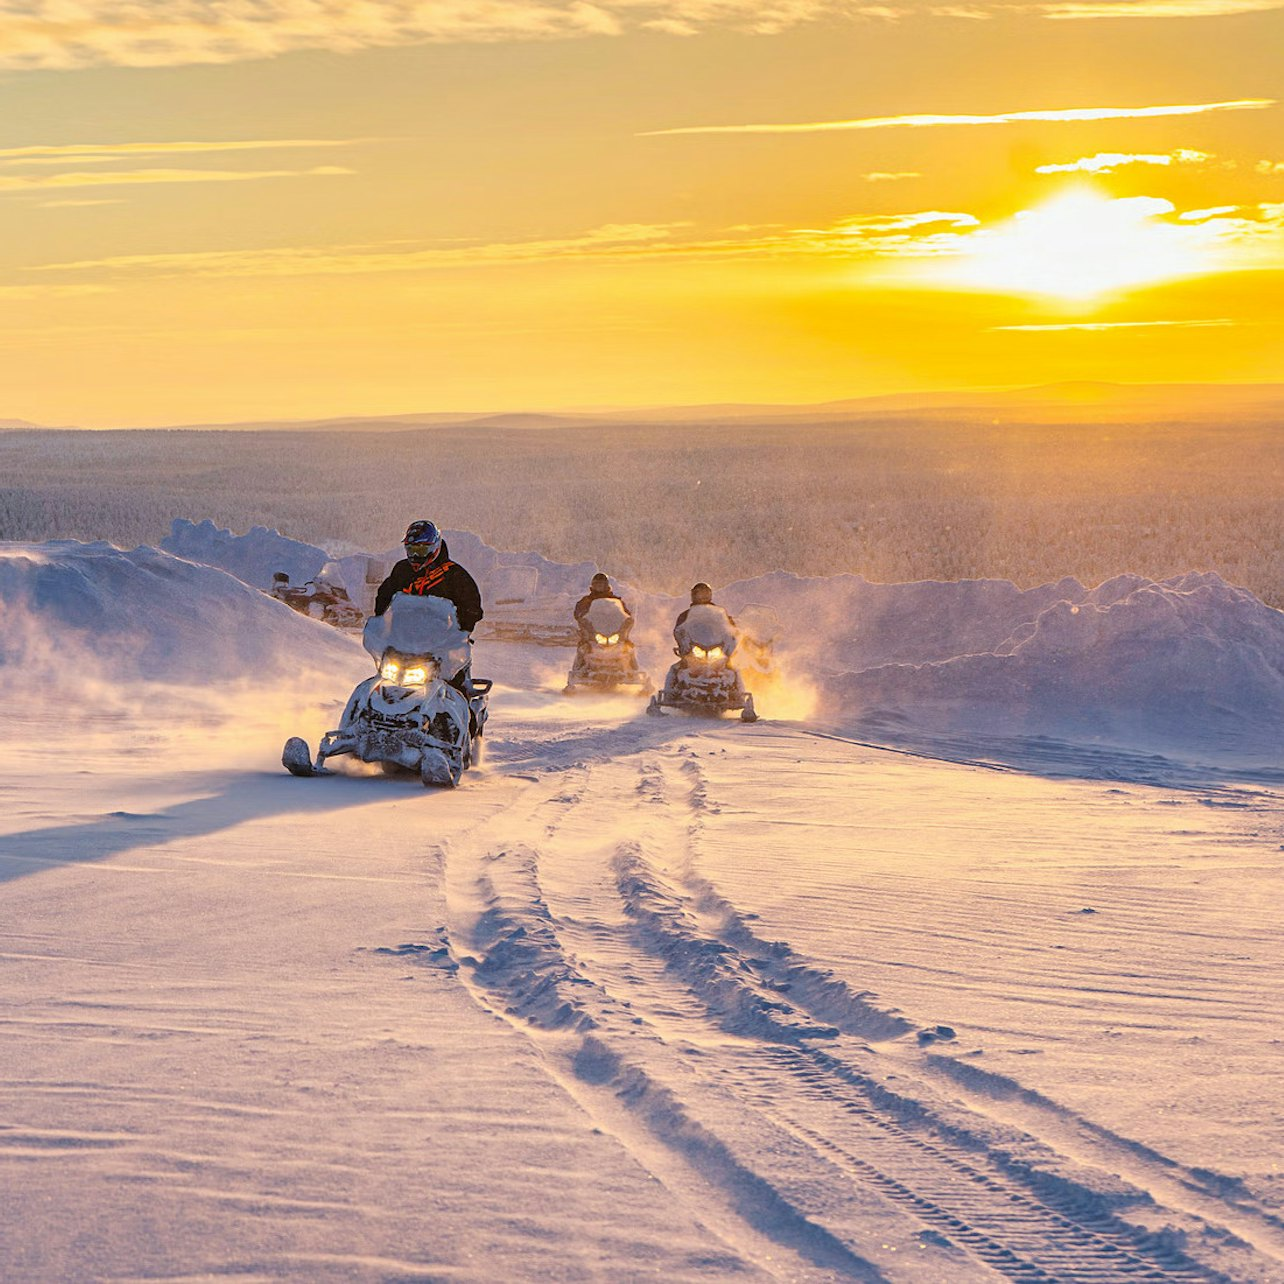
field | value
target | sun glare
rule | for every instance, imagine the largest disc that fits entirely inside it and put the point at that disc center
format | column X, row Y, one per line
column 1081, row 246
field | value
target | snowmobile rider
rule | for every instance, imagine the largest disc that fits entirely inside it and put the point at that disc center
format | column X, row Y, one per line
column 599, row 587
column 701, row 595
column 428, row 571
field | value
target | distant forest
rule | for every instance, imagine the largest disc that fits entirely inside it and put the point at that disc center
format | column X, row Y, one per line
column 893, row 500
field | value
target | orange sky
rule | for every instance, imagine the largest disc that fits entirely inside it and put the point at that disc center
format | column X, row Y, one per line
column 395, row 206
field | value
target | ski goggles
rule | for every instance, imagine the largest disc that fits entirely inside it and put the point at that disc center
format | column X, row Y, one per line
column 422, row 552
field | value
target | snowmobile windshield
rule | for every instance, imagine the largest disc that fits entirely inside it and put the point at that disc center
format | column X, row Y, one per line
column 760, row 623
column 607, row 616
column 417, row 625
column 707, row 627
column 331, row 576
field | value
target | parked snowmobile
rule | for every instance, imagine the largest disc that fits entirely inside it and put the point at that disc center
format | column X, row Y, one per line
column 323, row 598
column 408, row 715
column 702, row 680
column 606, row 660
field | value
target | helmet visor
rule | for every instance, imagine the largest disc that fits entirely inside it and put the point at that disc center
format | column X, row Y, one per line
column 421, row 551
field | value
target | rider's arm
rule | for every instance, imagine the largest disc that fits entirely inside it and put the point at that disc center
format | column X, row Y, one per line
column 467, row 598
column 397, row 579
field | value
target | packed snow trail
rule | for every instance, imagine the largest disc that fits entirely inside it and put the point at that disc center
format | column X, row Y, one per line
column 642, row 998
column 649, row 990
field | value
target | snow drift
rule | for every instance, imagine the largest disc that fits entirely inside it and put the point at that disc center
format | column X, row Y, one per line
column 93, row 609
column 253, row 558
column 512, row 583
column 1190, row 660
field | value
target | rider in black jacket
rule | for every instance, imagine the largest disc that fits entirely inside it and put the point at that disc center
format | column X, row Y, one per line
column 427, row 569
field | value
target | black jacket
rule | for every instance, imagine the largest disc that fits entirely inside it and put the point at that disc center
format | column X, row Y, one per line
column 443, row 578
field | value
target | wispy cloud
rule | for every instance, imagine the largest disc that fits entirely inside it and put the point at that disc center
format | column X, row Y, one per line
column 62, row 34
column 1108, row 162
column 918, row 234
column 927, row 121
column 1202, row 216
column 1092, row 326
column 25, row 293
column 1255, row 235
column 615, row 240
column 106, row 153
column 1091, row 9
column 122, row 178
column 1269, row 167
column 78, row 204
column 880, row 176
column 66, row 34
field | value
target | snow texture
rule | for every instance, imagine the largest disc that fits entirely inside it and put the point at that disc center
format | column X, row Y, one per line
column 645, row 997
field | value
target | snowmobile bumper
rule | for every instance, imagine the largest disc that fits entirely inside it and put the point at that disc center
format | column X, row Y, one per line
column 708, row 693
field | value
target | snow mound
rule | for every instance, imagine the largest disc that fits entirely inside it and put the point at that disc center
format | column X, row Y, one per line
column 511, row 583
column 847, row 623
column 253, row 558
column 94, row 609
column 1189, row 659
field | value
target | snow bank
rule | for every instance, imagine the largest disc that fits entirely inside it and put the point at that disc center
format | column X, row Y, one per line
column 846, row 622
column 1189, row 660
column 70, row 610
column 526, row 581
column 253, row 558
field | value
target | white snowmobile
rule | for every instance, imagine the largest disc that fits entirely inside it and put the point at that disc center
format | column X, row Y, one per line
column 606, row 660
column 702, row 680
column 408, row 716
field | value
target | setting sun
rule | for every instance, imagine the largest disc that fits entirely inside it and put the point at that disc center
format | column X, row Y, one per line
column 1081, row 246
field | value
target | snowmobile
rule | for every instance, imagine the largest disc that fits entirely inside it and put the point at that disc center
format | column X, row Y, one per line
column 323, row 598
column 702, row 680
column 606, row 660
column 755, row 654
column 408, row 717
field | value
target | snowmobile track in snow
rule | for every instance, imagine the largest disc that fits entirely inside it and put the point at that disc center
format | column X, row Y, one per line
column 674, row 1024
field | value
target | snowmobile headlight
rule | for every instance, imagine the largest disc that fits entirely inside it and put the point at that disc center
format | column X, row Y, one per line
column 601, row 639
column 699, row 652
column 414, row 675
column 613, row 639
column 391, row 671
column 714, row 653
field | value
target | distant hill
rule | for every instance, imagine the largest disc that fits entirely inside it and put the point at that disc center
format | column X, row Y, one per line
column 1070, row 402
column 1057, row 402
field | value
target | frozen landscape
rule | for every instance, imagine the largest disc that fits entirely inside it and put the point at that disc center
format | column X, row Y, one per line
column 963, row 963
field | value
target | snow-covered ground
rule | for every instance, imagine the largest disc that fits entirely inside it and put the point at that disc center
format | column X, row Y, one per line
column 856, row 992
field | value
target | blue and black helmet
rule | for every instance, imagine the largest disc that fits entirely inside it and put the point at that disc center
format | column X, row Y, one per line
column 422, row 541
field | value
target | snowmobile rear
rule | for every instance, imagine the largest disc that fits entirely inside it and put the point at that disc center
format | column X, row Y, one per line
column 408, row 716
